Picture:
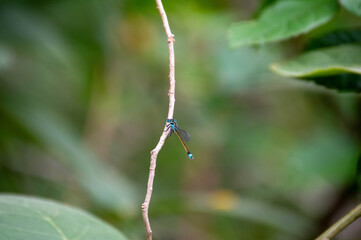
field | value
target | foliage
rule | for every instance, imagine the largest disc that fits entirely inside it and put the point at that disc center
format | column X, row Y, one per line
column 33, row 218
column 83, row 99
column 353, row 6
column 289, row 18
column 328, row 53
column 284, row 19
column 336, row 67
column 327, row 61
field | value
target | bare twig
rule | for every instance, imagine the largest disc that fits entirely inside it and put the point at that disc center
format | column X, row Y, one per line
column 341, row 224
column 171, row 94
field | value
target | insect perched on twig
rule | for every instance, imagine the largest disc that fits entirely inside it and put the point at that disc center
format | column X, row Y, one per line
column 182, row 135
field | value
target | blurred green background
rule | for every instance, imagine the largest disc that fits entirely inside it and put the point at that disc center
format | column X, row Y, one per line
column 83, row 100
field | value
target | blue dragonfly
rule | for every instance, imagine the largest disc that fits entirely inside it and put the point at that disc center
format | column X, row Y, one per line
column 182, row 135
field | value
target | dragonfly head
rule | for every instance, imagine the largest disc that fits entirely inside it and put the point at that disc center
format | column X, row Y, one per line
column 171, row 121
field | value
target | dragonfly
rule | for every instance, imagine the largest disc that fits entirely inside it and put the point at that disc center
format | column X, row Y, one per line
column 182, row 135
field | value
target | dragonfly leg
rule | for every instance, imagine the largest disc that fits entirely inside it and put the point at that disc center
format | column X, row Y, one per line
column 170, row 131
column 167, row 129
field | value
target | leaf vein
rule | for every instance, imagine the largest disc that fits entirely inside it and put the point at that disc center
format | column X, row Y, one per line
column 28, row 231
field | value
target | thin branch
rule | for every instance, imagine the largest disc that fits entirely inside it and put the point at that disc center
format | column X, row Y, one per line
column 341, row 224
column 171, row 95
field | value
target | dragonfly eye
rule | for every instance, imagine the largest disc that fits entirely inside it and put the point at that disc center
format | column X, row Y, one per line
column 174, row 120
column 168, row 120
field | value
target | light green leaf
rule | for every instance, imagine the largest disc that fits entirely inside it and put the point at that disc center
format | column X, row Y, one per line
column 326, row 61
column 282, row 20
column 37, row 219
column 353, row 6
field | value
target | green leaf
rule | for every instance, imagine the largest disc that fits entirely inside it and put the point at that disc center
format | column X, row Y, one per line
column 37, row 219
column 353, row 6
column 335, row 38
column 282, row 20
column 334, row 67
column 262, row 6
column 327, row 61
column 341, row 82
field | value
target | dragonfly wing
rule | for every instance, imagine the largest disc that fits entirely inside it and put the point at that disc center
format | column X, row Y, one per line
column 184, row 135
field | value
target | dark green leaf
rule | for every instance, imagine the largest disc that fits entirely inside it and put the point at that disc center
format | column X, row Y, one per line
column 342, row 82
column 335, row 38
column 284, row 19
column 353, row 6
column 37, row 219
